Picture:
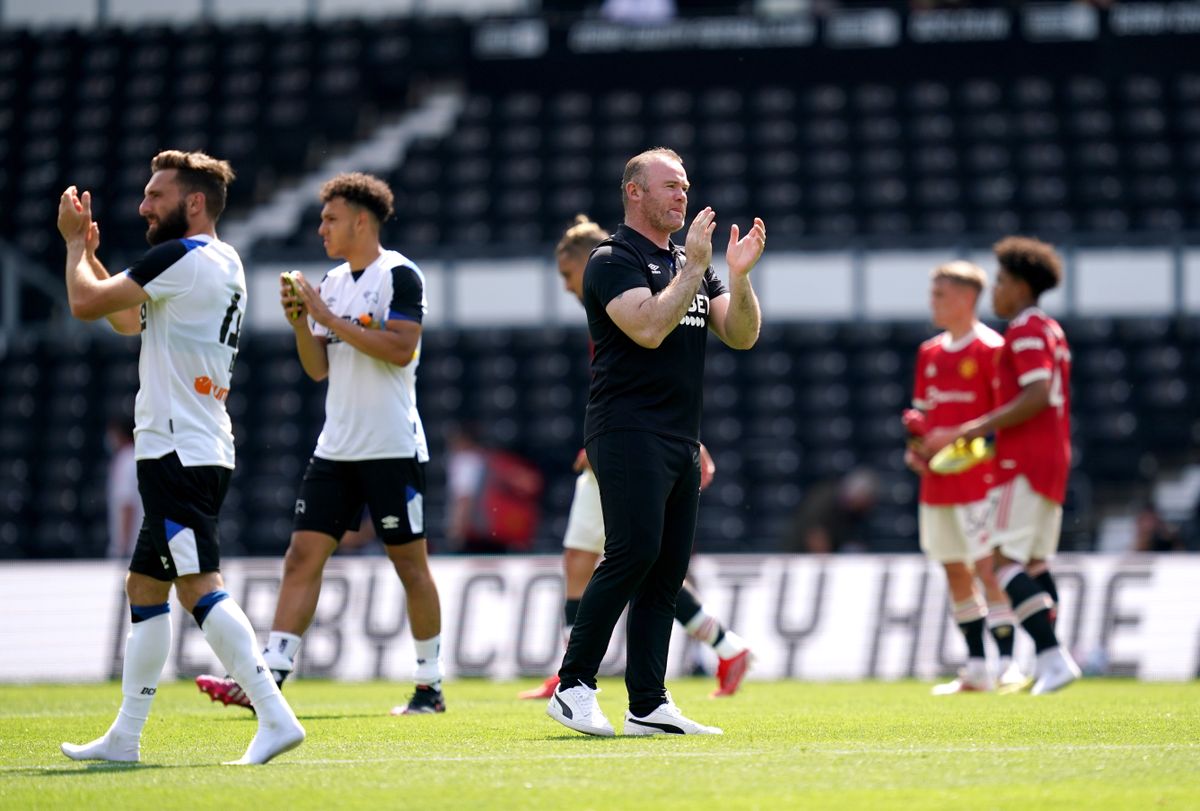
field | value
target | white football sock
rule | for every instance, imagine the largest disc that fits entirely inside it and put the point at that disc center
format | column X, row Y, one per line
column 429, row 665
column 231, row 637
column 281, row 650
column 146, row 649
column 730, row 645
column 703, row 627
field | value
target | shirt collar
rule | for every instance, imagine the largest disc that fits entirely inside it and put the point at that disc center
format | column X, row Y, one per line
column 640, row 241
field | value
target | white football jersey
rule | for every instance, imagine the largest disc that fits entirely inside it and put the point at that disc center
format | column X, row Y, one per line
column 371, row 405
column 190, row 329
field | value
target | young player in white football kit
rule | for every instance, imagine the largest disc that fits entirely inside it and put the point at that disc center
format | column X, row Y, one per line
column 365, row 338
column 583, row 543
column 191, row 291
column 953, row 383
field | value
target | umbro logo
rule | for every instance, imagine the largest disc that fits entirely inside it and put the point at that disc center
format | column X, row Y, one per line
column 390, row 522
column 166, row 561
column 654, row 269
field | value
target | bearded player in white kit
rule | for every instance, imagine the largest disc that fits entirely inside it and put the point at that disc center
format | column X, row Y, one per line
column 186, row 298
column 365, row 338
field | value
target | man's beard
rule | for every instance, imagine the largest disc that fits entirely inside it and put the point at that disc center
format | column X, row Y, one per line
column 173, row 226
column 664, row 221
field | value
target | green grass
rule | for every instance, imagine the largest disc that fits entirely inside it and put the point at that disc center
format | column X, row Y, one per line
column 1098, row 745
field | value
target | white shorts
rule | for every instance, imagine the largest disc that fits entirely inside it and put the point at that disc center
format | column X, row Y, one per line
column 585, row 524
column 955, row 533
column 1025, row 525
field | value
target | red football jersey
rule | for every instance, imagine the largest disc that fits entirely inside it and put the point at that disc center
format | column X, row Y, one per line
column 953, row 385
column 1039, row 449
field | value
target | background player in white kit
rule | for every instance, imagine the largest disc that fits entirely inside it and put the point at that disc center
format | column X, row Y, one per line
column 191, row 291
column 365, row 337
column 953, row 384
column 583, row 543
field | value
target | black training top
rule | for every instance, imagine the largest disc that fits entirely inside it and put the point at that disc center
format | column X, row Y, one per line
column 658, row 390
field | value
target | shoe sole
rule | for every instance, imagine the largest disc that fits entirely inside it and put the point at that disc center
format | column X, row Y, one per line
column 635, row 729
column 1015, row 687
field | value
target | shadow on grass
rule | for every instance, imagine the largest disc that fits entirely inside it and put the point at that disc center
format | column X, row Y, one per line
column 89, row 769
column 303, row 716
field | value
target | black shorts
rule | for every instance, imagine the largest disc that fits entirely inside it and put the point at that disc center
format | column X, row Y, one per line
column 179, row 532
column 333, row 494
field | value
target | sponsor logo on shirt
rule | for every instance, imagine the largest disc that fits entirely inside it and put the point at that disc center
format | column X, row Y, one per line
column 949, row 395
column 205, row 387
column 697, row 313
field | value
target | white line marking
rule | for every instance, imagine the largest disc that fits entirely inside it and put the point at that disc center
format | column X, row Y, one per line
column 715, row 753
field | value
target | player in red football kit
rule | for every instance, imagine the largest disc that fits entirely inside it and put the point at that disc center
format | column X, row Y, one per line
column 1033, row 447
column 953, row 384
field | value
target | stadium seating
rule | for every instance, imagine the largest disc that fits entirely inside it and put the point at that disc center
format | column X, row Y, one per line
column 810, row 403
column 891, row 152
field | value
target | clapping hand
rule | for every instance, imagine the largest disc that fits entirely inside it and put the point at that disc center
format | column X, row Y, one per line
column 75, row 215
column 699, row 238
column 313, row 305
column 742, row 254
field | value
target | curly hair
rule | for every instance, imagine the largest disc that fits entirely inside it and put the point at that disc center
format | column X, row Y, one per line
column 198, row 172
column 360, row 189
column 580, row 238
column 1032, row 260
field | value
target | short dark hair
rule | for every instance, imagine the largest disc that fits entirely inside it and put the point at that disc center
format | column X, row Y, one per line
column 360, row 189
column 635, row 168
column 198, row 172
column 581, row 237
column 1032, row 260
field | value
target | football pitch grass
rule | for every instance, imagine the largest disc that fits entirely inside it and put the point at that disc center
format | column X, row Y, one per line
column 1100, row 744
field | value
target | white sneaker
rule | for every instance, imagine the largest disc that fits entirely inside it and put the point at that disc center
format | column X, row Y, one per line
column 113, row 746
column 1055, row 670
column 666, row 719
column 578, row 709
column 1012, row 680
column 963, row 684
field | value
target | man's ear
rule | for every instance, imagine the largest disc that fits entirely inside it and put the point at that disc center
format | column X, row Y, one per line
column 196, row 203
